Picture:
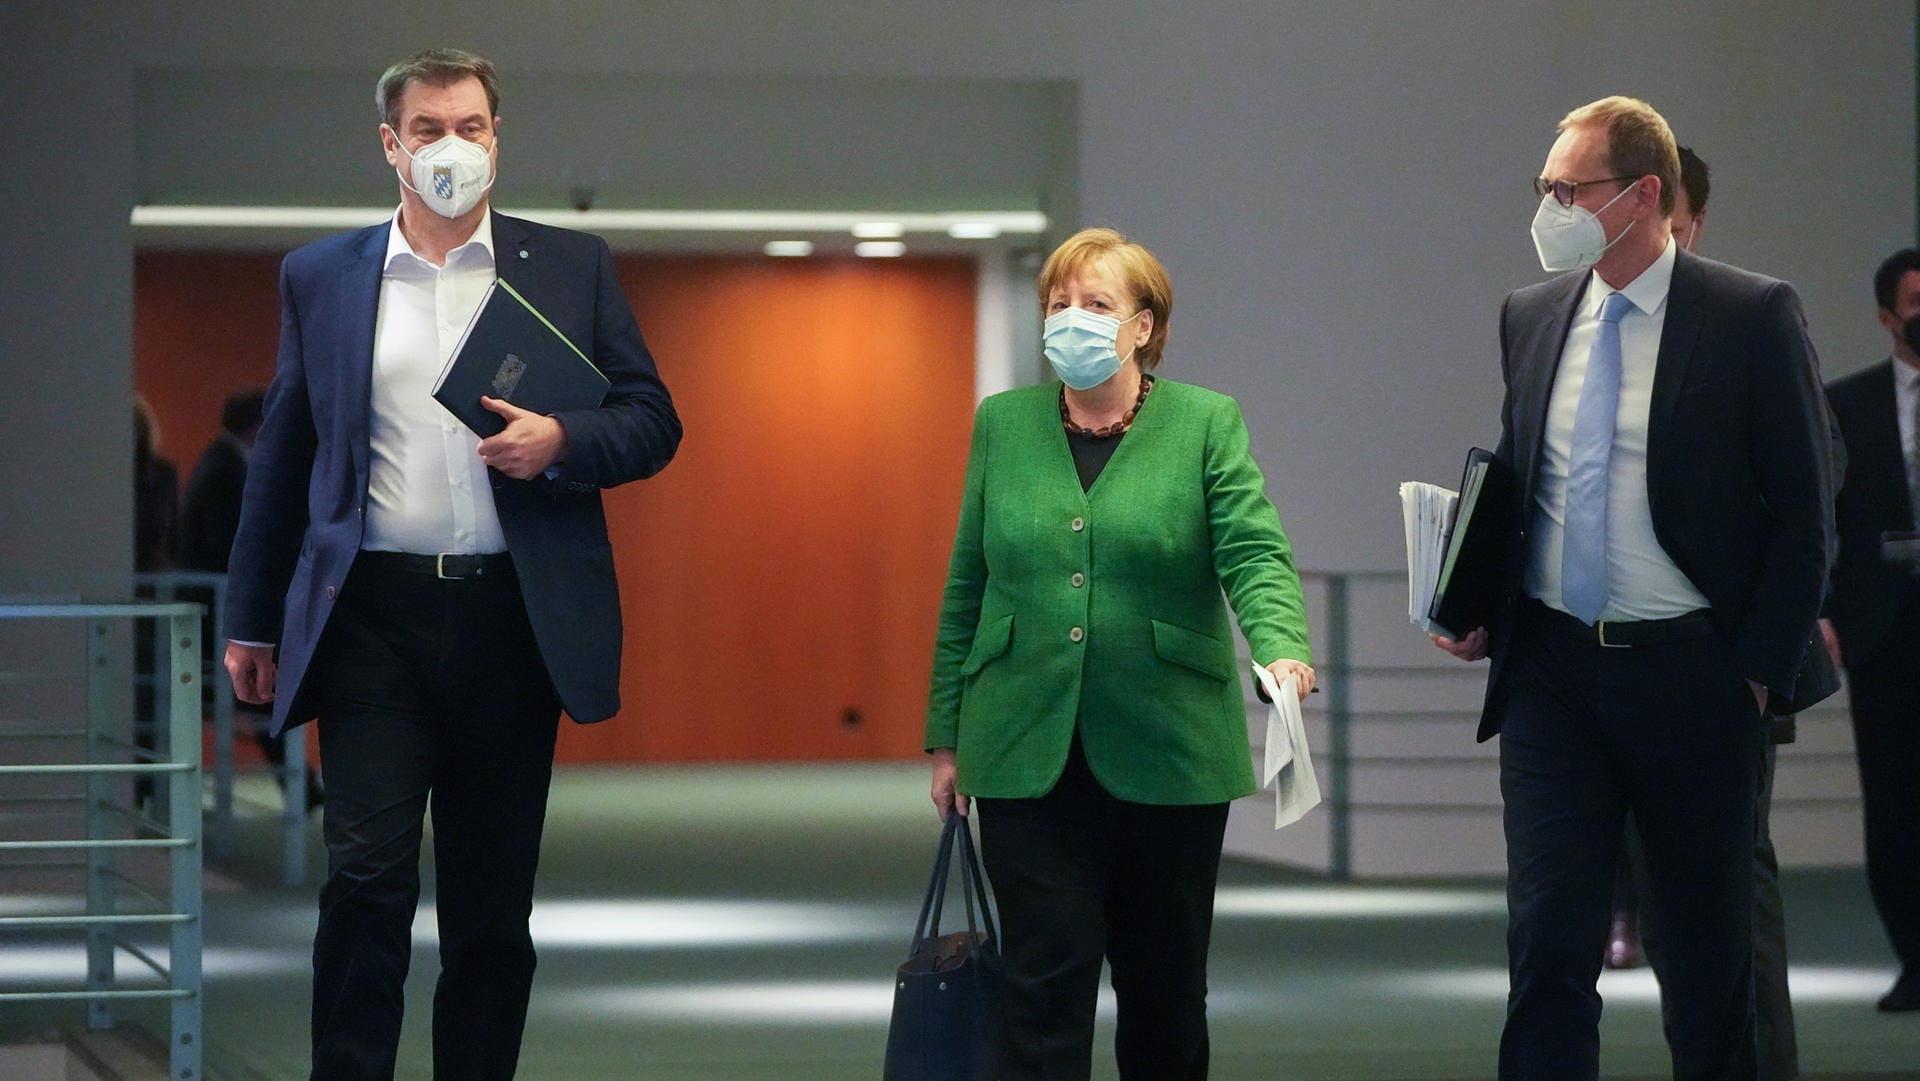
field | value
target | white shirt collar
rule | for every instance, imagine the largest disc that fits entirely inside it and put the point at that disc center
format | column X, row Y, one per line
column 480, row 243
column 1647, row 292
column 1906, row 378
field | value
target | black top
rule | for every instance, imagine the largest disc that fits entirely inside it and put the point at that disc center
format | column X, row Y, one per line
column 1091, row 454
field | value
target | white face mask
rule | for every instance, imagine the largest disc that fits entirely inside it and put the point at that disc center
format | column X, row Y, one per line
column 450, row 174
column 1570, row 237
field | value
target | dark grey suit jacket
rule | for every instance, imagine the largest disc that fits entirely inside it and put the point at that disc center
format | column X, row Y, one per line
column 1869, row 592
column 1738, row 460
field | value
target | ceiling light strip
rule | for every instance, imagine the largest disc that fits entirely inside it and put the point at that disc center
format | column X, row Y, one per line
column 1026, row 222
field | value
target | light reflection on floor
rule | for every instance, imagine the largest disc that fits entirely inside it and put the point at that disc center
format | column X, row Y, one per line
column 1807, row 984
column 24, row 967
column 704, row 923
column 1354, row 902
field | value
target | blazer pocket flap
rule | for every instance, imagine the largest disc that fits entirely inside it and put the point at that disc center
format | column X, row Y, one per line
column 1191, row 649
column 988, row 642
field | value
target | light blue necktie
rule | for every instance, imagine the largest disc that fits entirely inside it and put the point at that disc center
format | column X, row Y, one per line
column 1583, row 548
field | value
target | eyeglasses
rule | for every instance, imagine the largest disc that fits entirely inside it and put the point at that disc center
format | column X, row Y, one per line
column 1564, row 190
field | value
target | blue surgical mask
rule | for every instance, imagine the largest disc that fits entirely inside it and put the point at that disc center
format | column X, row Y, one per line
column 1080, row 346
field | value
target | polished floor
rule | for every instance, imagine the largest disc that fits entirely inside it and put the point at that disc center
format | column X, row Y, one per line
column 740, row 924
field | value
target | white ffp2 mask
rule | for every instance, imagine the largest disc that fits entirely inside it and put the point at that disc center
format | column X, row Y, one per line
column 450, row 174
column 1570, row 237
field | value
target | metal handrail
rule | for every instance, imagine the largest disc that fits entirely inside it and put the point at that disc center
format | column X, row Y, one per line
column 293, row 771
column 1340, row 671
column 175, row 772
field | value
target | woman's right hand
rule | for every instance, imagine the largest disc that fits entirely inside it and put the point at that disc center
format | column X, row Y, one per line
column 945, row 796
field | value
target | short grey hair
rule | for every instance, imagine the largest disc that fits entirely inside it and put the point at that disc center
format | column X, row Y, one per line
column 435, row 67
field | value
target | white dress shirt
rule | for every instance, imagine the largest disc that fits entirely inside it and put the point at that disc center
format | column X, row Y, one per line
column 1642, row 580
column 1906, row 399
column 427, row 490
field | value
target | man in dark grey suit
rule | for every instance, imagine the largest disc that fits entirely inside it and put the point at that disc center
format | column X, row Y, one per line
column 1875, row 610
column 1670, row 539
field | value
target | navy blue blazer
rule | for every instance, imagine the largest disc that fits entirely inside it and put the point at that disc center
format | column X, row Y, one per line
column 304, row 510
column 1739, row 473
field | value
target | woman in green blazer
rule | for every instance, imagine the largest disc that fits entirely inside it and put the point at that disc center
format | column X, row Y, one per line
column 1085, row 688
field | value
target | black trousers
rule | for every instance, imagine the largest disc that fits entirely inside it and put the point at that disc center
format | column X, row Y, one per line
column 1671, row 733
column 1885, row 692
column 1779, row 1045
column 1080, row 875
column 428, row 688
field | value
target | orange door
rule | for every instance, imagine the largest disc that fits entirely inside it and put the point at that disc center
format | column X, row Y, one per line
column 781, row 579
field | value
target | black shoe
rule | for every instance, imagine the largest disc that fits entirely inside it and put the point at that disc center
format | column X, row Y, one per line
column 1905, row 996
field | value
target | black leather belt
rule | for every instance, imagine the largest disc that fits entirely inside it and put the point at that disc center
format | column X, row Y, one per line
column 1627, row 633
column 446, row 566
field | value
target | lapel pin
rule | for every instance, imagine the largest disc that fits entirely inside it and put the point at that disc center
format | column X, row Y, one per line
column 523, row 253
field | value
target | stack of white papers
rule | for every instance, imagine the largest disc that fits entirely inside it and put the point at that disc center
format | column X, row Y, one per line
column 1289, row 767
column 1428, row 513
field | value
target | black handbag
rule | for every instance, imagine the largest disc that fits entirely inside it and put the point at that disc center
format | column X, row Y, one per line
column 947, row 997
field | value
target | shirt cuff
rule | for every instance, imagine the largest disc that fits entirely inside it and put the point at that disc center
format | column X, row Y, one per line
column 263, row 645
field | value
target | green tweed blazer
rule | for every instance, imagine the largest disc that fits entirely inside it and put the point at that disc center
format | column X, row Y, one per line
column 1103, row 609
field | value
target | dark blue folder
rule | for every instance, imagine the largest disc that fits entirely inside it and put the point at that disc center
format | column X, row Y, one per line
column 511, row 352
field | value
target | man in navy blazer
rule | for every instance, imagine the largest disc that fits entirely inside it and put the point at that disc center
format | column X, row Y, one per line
column 433, row 598
column 1670, row 544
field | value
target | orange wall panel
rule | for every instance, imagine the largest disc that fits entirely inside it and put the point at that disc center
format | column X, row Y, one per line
column 781, row 579
column 204, row 325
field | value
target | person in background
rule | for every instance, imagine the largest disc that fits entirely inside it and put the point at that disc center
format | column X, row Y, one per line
column 1635, row 925
column 208, row 520
column 1085, row 689
column 1873, row 616
column 156, row 512
column 156, row 494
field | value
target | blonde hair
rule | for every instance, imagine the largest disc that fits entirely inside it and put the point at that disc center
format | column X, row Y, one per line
column 1639, row 142
column 1146, row 281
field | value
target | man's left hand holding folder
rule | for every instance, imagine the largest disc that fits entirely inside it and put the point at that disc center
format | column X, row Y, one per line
column 528, row 446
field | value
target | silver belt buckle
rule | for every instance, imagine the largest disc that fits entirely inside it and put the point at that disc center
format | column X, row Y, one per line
column 1601, row 629
column 440, row 569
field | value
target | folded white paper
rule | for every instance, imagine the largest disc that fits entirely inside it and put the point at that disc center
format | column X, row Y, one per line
column 1289, row 765
column 1427, row 514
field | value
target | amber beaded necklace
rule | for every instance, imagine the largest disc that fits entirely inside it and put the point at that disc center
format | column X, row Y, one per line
column 1111, row 430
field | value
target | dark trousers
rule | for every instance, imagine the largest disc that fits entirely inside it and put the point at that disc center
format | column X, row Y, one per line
column 428, row 688
column 1080, row 875
column 1670, row 733
column 1885, row 692
column 1779, row 1046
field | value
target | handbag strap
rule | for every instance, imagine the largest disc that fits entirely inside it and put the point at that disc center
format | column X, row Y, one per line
column 927, row 926
column 973, row 886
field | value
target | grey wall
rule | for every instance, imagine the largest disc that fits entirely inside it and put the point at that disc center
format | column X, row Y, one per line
column 636, row 141
column 66, row 281
column 1339, row 189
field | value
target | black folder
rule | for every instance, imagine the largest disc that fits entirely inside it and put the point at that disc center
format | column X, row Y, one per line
column 1473, row 573
column 511, row 352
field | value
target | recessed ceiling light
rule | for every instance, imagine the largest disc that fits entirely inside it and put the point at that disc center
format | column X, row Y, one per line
column 880, row 249
column 878, row 230
column 789, row 248
column 973, row 230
